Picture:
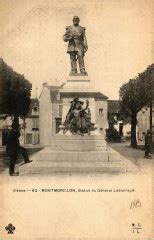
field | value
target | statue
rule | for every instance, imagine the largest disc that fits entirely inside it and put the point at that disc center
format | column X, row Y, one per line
column 78, row 119
column 77, row 45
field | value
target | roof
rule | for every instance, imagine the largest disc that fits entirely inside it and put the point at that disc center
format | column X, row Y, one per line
column 113, row 106
column 53, row 88
column 96, row 95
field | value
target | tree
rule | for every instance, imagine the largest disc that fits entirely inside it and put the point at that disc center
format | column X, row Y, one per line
column 16, row 93
column 134, row 96
column 112, row 135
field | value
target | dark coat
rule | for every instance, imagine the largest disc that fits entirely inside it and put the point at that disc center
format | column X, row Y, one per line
column 12, row 146
column 76, row 38
column 148, row 142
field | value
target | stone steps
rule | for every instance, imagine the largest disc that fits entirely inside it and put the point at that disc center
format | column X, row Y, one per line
column 48, row 161
column 67, row 156
column 69, row 167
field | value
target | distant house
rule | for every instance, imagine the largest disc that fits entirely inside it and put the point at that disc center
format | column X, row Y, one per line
column 123, row 126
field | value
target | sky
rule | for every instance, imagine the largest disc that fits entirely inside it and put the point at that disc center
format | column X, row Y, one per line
column 119, row 36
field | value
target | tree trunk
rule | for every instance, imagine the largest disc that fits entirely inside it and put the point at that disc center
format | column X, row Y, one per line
column 133, row 131
column 16, row 118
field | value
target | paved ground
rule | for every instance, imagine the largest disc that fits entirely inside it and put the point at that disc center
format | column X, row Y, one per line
column 134, row 155
column 4, row 160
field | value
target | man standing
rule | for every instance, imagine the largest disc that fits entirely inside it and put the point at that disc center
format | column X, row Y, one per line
column 148, row 144
column 77, row 45
column 13, row 148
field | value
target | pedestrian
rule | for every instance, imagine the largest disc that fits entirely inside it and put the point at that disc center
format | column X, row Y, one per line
column 13, row 148
column 148, row 144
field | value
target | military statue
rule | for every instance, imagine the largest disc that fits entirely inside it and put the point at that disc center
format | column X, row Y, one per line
column 78, row 119
column 77, row 45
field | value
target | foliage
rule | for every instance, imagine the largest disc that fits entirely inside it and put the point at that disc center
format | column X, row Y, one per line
column 16, row 93
column 112, row 135
column 134, row 96
column 111, row 120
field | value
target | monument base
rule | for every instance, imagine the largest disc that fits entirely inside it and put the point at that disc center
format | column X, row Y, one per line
column 69, row 154
column 78, row 143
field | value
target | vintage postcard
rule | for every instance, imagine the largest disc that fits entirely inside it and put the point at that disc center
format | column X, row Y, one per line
column 76, row 120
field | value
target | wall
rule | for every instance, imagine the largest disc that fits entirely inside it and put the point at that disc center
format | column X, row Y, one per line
column 55, row 115
column 28, row 131
column 101, row 120
column 46, row 117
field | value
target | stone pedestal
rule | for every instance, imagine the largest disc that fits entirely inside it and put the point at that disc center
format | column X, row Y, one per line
column 68, row 154
column 77, row 83
column 78, row 143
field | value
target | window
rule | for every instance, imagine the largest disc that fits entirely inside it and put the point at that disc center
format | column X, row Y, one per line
column 101, row 112
column 35, row 123
column 28, row 138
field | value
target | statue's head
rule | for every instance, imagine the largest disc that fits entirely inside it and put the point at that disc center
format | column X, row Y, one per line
column 78, row 106
column 76, row 20
column 76, row 99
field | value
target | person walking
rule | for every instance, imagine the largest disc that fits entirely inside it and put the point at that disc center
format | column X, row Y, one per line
column 13, row 148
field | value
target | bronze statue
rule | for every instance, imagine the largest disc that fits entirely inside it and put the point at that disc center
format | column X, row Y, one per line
column 78, row 119
column 77, row 45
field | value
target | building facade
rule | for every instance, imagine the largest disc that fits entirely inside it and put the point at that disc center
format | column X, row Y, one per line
column 123, row 126
column 31, row 124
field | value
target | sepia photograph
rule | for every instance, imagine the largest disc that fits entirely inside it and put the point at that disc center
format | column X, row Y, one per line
column 76, row 120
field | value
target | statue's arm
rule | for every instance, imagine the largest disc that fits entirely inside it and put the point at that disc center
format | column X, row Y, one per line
column 85, row 40
column 67, row 36
column 87, row 105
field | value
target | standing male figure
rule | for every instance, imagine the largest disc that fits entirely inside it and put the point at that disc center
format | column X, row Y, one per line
column 13, row 148
column 148, row 144
column 77, row 45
